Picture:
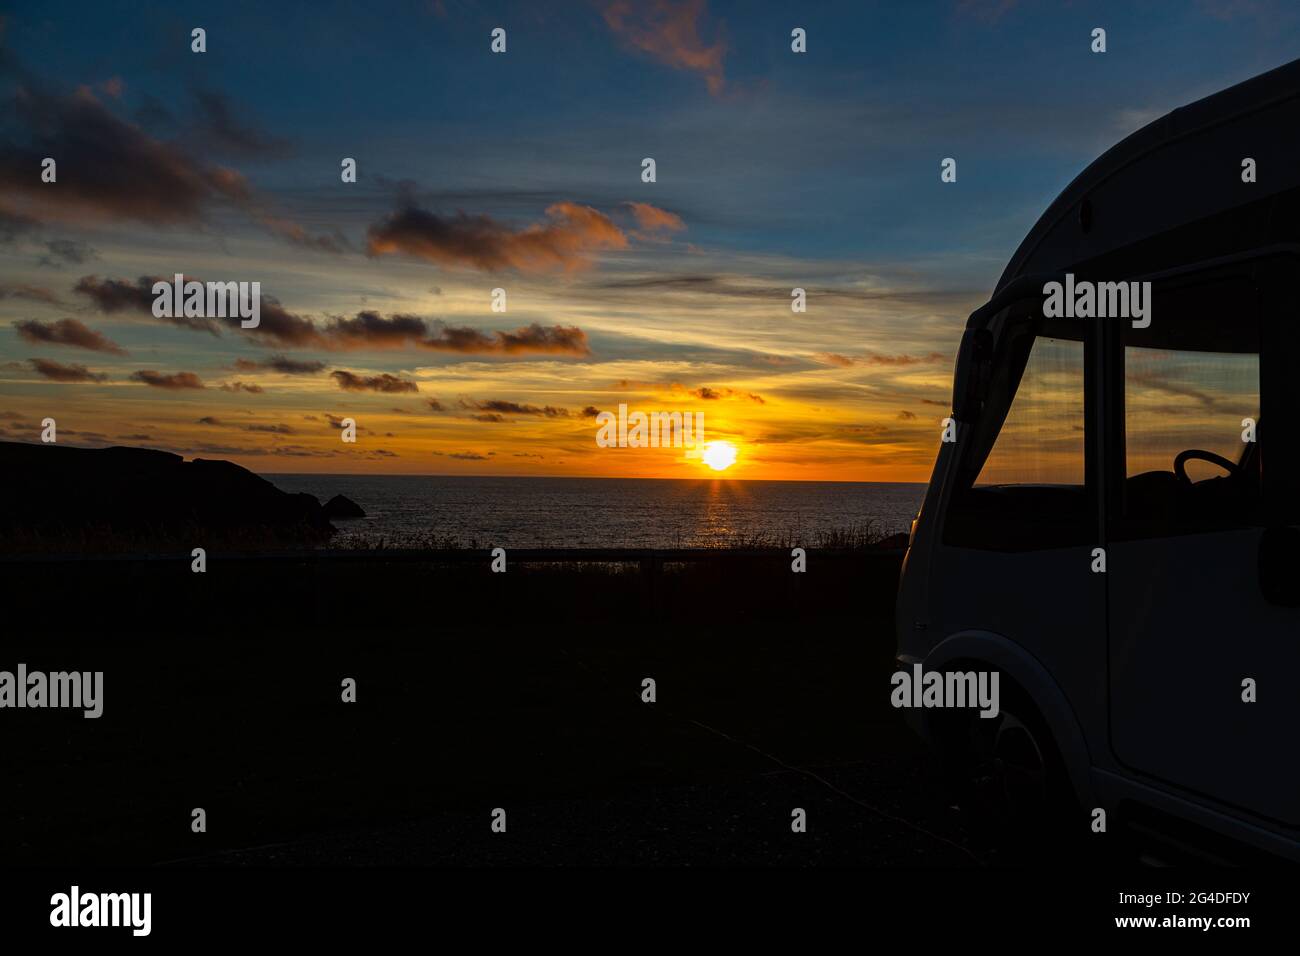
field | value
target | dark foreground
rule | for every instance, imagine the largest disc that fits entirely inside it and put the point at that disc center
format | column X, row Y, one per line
column 475, row 691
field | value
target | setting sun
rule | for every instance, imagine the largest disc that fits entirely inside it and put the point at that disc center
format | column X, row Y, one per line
column 719, row 455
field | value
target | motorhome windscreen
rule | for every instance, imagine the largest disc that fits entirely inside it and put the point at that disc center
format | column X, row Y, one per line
column 1030, row 430
column 1023, row 480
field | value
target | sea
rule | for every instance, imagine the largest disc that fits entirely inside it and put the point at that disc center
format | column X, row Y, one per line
column 431, row 511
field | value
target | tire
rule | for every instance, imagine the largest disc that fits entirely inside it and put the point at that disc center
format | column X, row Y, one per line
column 1006, row 776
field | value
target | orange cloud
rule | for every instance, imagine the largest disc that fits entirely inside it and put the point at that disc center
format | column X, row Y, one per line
column 653, row 219
column 567, row 241
column 669, row 31
column 834, row 358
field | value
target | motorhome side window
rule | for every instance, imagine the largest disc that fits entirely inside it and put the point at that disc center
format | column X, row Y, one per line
column 1192, row 414
column 1024, row 477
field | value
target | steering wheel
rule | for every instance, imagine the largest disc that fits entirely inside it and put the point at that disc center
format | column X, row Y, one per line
column 1180, row 463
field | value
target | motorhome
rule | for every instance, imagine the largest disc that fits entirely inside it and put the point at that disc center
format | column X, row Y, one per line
column 1114, row 529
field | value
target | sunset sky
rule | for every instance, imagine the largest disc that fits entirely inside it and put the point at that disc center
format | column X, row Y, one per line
column 522, row 171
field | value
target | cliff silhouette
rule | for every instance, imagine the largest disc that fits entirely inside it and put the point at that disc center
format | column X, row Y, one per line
column 112, row 498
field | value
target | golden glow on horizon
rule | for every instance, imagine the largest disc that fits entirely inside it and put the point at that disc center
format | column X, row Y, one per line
column 812, row 403
column 719, row 455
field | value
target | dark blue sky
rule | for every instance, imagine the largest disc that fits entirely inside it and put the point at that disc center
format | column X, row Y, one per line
column 833, row 153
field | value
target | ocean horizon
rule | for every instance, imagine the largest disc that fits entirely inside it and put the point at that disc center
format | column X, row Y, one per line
column 536, row 512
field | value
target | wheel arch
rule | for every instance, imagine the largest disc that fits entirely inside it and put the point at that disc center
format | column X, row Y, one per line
column 976, row 648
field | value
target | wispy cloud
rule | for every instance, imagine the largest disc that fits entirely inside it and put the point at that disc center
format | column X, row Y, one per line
column 281, row 364
column 58, row 372
column 351, row 382
column 67, row 332
column 168, row 380
column 990, row 11
column 499, row 407
column 529, row 340
column 134, row 176
column 365, row 330
column 32, row 293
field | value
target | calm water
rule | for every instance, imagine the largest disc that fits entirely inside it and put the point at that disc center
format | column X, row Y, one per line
column 606, row 512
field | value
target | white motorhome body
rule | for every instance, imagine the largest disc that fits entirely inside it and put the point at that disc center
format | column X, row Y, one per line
column 1114, row 528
